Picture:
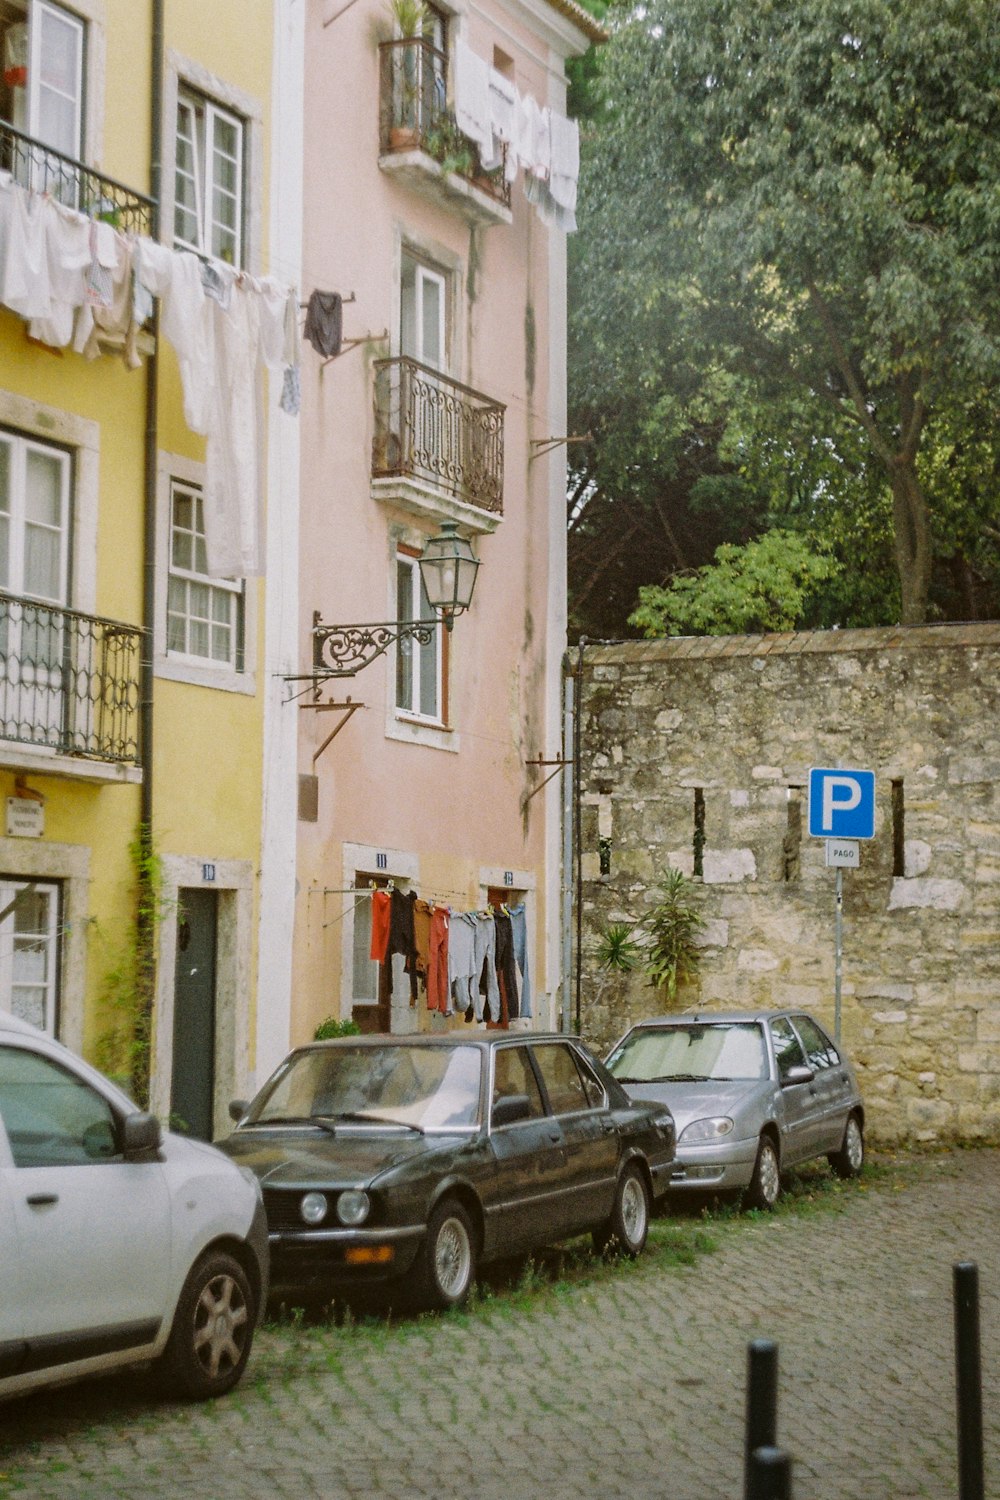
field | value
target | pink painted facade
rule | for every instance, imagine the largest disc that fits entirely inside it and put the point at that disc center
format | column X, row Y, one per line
column 454, row 306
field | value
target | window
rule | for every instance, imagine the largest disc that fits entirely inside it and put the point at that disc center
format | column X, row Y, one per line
column 53, row 1119
column 34, row 519
column 43, row 56
column 208, row 179
column 820, row 1051
column 422, row 313
column 513, row 1074
column 419, row 668
column 29, row 951
column 561, row 1078
column 205, row 616
column 788, row 1052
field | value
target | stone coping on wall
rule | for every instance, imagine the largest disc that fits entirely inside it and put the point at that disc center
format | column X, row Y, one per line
column 794, row 643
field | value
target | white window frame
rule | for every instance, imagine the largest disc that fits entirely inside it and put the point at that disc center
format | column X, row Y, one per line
column 10, row 888
column 198, row 670
column 231, row 590
column 21, row 445
column 410, row 564
column 424, row 276
column 38, row 10
column 201, row 110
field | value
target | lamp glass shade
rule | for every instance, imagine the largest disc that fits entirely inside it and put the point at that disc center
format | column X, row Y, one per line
column 448, row 568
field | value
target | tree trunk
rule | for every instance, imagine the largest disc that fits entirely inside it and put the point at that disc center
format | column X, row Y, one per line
column 911, row 541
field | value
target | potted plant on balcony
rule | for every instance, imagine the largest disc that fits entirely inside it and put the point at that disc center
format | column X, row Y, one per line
column 412, row 20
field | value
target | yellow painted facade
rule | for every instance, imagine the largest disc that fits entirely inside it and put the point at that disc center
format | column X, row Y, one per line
column 206, row 753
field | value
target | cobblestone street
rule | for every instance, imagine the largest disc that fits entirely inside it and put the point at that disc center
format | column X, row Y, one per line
column 632, row 1385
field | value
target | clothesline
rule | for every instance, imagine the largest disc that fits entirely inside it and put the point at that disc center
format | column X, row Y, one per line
column 79, row 280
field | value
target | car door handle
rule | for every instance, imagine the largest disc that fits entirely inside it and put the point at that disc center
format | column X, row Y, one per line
column 555, row 1136
column 41, row 1200
column 608, row 1127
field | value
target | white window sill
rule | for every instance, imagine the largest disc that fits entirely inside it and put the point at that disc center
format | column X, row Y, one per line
column 203, row 674
column 418, row 732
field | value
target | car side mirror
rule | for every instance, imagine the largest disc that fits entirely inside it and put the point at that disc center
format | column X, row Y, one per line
column 511, row 1108
column 141, row 1134
column 797, row 1074
column 238, row 1108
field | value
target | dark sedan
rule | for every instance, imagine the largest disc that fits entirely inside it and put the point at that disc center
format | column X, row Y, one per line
column 413, row 1159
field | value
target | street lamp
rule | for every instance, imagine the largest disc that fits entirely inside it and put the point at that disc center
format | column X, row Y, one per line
column 448, row 569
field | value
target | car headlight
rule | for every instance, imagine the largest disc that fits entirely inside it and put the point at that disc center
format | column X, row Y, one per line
column 353, row 1206
column 313, row 1208
column 711, row 1129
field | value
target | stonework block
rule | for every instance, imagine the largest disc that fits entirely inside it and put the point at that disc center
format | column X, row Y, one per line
column 942, row 895
column 728, row 866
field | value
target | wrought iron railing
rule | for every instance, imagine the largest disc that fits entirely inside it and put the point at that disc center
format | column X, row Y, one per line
column 432, row 428
column 69, row 681
column 414, row 115
column 35, row 165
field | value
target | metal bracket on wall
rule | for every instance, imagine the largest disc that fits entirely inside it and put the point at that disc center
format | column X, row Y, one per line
column 347, row 708
column 559, row 764
column 545, row 445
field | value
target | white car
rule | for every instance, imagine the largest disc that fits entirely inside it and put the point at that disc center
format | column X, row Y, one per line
column 120, row 1243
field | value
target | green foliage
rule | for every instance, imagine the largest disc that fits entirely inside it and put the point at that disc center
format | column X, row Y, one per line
column 333, row 1026
column 411, row 17
column 671, row 925
column 789, row 241
column 617, row 948
column 126, row 994
column 763, row 586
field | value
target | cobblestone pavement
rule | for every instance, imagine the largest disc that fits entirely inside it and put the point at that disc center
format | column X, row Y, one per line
column 629, row 1385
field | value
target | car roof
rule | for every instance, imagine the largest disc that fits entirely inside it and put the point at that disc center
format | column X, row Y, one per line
column 725, row 1017
column 449, row 1039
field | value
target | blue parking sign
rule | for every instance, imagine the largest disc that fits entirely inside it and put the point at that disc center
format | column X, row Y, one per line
column 841, row 803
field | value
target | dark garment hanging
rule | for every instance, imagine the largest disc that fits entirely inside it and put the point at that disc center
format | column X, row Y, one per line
column 325, row 322
column 506, row 968
column 402, row 936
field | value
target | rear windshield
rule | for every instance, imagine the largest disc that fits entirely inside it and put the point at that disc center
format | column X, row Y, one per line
column 694, row 1052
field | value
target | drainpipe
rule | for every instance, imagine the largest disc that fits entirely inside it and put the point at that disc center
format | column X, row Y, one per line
column 146, row 916
column 566, row 965
column 577, row 783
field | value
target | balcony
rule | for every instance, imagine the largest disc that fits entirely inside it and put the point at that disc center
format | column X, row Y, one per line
column 420, row 143
column 37, row 166
column 438, row 448
column 69, row 688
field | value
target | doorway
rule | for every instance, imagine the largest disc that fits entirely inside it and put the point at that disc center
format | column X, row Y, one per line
column 192, row 1090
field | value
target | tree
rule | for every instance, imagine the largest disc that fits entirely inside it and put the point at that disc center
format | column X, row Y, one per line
column 799, row 198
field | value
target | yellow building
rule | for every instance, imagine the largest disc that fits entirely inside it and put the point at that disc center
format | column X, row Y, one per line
column 135, row 144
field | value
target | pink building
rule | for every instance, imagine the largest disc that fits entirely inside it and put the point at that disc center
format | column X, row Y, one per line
column 432, row 391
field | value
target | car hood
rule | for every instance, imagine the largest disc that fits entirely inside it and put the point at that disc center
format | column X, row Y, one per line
column 739, row 1099
column 286, row 1158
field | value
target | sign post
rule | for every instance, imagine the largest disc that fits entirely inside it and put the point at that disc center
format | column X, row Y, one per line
column 842, row 811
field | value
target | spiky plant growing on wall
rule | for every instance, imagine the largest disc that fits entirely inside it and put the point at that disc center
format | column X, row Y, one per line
column 671, row 925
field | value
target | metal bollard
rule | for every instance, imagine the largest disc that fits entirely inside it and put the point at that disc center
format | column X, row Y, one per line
column 770, row 1475
column 968, row 1380
column 762, row 1401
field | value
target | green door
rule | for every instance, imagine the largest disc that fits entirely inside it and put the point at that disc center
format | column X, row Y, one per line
column 192, row 1090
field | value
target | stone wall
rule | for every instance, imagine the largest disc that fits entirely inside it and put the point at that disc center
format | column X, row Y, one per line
column 734, row 724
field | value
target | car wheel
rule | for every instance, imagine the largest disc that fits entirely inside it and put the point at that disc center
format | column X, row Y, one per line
column 212, row 1331
column 765, row 1184
column 446, row 1265
column 628, row 1225
column 848, row 1161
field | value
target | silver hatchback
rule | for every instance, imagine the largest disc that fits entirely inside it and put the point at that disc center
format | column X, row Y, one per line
column 751, row 1093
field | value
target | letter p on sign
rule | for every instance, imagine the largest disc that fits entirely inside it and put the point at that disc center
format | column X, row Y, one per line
column 841, row 803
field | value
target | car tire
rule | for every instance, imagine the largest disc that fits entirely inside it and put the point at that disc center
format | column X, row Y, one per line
column 212, row 1331
column 446, row 1264
column 765, row 1184
column 848, row 1161
column 626, row 1230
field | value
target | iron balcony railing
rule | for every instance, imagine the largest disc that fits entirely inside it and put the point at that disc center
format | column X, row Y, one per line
column 432, row 428
column 69, row 681
column 35, row 165
column 414, row 115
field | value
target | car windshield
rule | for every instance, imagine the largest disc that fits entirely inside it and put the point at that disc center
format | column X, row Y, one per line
column 428, row 1088
column 690, row 1052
